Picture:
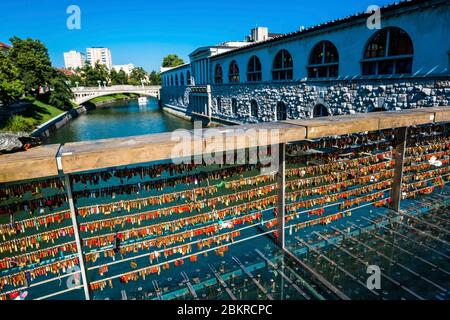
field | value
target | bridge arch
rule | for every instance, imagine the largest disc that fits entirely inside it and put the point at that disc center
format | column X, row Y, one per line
column 84, row 94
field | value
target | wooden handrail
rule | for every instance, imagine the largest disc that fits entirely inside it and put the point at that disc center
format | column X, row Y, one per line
column 42, row 161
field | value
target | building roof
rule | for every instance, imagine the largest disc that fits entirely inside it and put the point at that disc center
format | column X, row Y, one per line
column 342, row 21
column 4, row 45
column 162, row 69
column 67, row 72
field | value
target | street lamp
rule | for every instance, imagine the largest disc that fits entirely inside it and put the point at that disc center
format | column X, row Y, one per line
column 99, row 84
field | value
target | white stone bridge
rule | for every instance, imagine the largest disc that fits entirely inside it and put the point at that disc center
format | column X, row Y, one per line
column 84, row 94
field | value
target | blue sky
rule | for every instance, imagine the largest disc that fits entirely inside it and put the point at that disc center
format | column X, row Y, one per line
column 144, row 31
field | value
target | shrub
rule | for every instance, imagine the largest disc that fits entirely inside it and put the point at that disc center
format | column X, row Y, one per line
column 18, row 123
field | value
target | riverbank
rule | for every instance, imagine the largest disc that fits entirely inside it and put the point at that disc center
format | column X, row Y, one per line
column 104, row 100
column 117, row 120
column 44, row 130
column 34, row 114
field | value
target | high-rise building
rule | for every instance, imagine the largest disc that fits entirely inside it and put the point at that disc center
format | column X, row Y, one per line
column 127, row 68
column 100, row 55
column 74, row 59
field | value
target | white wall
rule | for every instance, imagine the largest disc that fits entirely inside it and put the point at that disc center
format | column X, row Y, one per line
column 176, row 71
column 429, row 30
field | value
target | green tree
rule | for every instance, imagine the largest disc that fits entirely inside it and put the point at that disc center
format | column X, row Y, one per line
column 91, row 76
column 33, row 62
column 172, row 60
column 155, row 78
column 76, row 77
column 136, row 75
column 60, row 93
column 11, row 87
column 118, row 78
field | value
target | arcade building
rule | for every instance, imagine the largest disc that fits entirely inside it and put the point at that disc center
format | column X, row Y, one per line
column 334, row 68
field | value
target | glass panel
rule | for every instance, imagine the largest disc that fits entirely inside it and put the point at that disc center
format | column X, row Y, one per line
column 403, row 66
column 331, row 54
column 233, row 72
column 369, row 68
column 399, row 43
column 218, row 74
column 322, row 72
column 289, row 74
column 386, row 67
column 377, row 45
column 333, row 71
column 312, row 72
column 278, row 64
column 287, row 60
column 257, row 64
column 317, row 54
column 276, row 75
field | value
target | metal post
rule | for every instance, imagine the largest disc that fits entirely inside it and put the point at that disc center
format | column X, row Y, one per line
column 281, row 182
column 399, row 156
column 76, row 232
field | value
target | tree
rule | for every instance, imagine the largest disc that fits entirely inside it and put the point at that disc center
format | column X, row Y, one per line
column 137, row 74
column 11, row 87
column 91, row 75
column 155, row 78
column 76, row 77
column 32, row 61
column 118, row 78
column 172, row 60
column 60, row 93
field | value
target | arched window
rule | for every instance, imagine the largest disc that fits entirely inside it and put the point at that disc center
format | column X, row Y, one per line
column 283, row 66
column 254, row 108
column 171, row 80
column 234, row 106
column 281, row 111
column 218, row 74
column 254, row 69
column 181, row 79
column 389, row 51
column 323, row 61
column 320, row 111
column 188, row 78
column 176, row 79
column 233, row 72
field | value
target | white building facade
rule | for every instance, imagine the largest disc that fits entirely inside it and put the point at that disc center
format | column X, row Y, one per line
column 339, row 67
column 74, row 59
column 99, row 55
column 127, row 68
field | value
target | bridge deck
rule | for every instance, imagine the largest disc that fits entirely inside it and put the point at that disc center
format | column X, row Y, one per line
column 82, row 156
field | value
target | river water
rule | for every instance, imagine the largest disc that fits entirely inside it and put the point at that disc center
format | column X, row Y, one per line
column 119, row 119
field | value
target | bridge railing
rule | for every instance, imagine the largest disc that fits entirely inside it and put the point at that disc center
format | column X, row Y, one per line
column 116, row 88
column 119, row 210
